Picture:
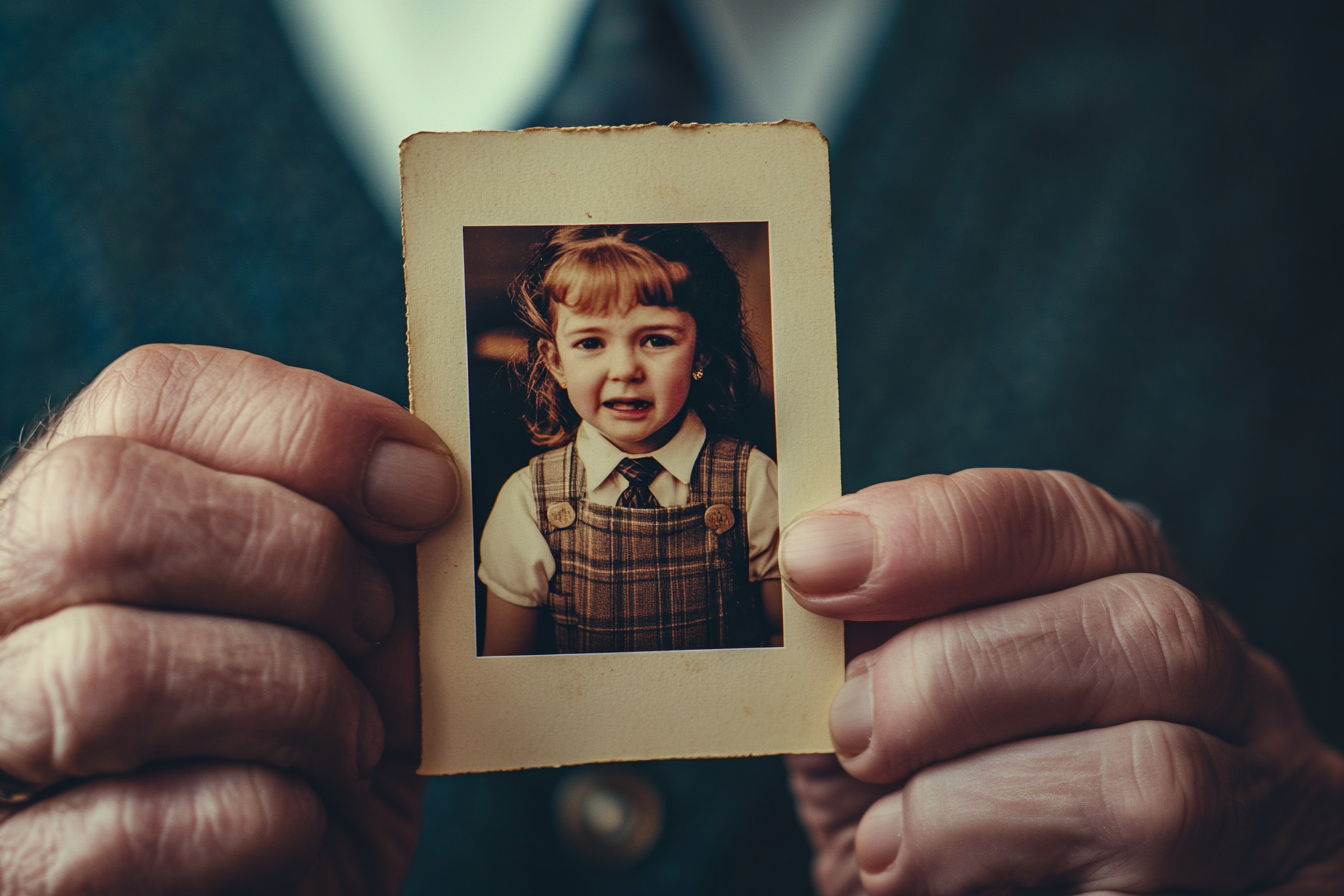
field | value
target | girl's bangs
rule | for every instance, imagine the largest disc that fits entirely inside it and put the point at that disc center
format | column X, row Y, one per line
column 608, row 275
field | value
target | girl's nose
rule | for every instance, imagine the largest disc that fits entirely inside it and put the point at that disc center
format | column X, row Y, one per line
column 625, row 365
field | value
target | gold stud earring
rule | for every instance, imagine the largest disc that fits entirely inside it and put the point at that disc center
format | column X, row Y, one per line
column 563, row 385
column 697, row 374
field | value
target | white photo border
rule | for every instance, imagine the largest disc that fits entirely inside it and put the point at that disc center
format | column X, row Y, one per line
column 497, row 713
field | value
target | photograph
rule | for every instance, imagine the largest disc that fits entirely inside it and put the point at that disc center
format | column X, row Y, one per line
column 622, row 417
column 626, row 338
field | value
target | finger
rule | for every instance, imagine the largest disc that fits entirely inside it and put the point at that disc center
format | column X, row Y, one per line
column 103, row 690
column 1116, row 650
column 383, row 471
column 392, row 671
column 925, row 546
column 830, row 804
column 104, row 519
column 187, row 829
column 1138, row 808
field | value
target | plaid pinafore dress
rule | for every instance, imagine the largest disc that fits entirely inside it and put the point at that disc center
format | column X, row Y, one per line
column 663, row 578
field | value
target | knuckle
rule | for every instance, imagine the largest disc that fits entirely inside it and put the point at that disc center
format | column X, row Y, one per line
column 172, row 393
column 72, row 679
column 255, row 816
column 139, row 386
column 66, row 521
column 1101, row 527
column 1171, row 794
column 98, row 674
column 28, row 860
column 283, row 543
column 1174, row 642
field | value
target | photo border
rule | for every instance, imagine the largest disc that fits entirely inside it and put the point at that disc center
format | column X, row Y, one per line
column 498, row 713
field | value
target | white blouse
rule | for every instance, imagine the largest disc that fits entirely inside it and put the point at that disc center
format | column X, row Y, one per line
column 516, row 559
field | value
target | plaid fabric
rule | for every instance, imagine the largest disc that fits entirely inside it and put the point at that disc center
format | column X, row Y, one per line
column 650, row 578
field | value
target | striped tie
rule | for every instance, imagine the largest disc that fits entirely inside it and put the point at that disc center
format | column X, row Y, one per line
column 639, row 473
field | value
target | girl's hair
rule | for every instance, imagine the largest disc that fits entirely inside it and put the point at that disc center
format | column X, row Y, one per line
column 610, row 269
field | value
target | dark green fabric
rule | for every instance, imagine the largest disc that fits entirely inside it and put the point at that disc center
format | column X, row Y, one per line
column 165, row 176
column 1105, row 238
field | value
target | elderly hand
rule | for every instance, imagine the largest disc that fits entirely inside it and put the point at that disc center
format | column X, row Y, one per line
column 1064, row 716
column 209, row 632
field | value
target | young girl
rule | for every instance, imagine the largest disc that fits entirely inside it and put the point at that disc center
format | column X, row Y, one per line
column 644, row 527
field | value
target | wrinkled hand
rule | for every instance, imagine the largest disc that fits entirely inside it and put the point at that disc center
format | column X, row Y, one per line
column 1067, row 716
column 209, row 632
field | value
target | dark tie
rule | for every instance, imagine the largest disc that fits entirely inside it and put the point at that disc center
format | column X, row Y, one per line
column 631, row 65
column 639, row 473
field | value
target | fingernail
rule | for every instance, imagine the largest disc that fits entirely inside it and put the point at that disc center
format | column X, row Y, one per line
column 852, row 715
column 375, row 606
column 369, row 744
column 827, row 553
column 878, row 840
column 409, row 487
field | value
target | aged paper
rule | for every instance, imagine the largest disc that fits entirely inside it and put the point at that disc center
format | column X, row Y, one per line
column 743, row 184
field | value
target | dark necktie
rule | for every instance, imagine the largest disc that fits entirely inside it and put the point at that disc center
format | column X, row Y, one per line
column 639, row 473
column 631, row 65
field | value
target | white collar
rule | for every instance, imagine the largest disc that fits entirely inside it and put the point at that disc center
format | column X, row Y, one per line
column 678, row 456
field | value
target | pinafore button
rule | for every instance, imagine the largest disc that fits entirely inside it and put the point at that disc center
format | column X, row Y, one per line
column 719, row 518
column 560, row 514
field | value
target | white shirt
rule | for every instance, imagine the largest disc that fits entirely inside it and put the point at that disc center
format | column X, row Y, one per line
column 516, row 559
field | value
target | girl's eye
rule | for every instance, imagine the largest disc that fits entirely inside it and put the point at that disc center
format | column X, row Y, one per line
column 657, row 340
column 590, row 344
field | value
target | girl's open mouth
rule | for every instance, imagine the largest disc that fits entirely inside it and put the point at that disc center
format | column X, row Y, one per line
column 627, row 404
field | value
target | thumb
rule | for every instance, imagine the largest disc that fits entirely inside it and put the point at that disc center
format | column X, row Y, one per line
column 930, row 545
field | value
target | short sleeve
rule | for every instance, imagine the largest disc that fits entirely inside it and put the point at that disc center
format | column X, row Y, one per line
column 762, row 516
column 516, row 560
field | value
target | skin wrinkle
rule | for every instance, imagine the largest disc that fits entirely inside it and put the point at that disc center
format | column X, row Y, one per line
column 964, row 527
column 16, row 564
column 288, row 424
column 1036, row 502
column 1164, row 608
column 292, row 682
column 926, row 706
column 1105, row 686
column 941, row 683
column 987, row 664
column 27, row 723
column 309, row 705
column 56, row 693
column 243, row 418
column 132, row 408
column 95, row 531
column 1172, row 802
column 306, row 430
column 1067, row 512
column 1118, row 621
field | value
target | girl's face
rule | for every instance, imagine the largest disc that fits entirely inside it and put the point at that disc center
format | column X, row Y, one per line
column 628, row 374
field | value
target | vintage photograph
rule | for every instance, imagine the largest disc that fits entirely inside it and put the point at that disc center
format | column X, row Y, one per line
column 623, row 437
column 625, row 337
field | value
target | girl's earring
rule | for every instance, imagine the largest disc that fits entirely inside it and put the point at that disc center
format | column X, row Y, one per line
column 697, row 374
column 563, row 385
